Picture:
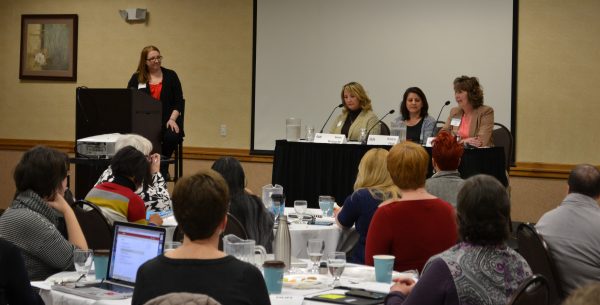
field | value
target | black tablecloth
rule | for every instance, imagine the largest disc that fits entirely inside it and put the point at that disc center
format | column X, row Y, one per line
column 307, row 170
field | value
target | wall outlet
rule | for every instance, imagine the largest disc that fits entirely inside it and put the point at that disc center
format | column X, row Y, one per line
column 223, row 130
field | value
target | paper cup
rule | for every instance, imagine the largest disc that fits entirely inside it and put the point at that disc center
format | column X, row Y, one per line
column 384, row 265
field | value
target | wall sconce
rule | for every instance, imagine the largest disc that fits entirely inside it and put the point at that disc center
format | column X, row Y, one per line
column 133, row 14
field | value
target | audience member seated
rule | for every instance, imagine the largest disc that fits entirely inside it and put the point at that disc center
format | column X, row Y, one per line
column 14, row 281
column 32, row 221
column 244, row 205
column 200, row 204
column 471, row 121
column 155, row 194
column 373, row 185
column 357, row 113
column 586, row 295
column 445, row 156
column 117, row 198
column 572, row 230
column 481, row 269
column 416, row 226
column 414, row 114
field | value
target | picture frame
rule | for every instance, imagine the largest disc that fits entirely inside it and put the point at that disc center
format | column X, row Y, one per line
column 48, row 47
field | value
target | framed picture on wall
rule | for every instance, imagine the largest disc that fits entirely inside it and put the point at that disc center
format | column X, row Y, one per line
column 48, row 47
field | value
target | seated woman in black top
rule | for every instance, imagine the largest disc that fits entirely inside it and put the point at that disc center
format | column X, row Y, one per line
column 14, row 281
column 244, row 206
column 414, row 114
column 200, row 204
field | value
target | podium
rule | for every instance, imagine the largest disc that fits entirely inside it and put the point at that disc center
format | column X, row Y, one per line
column 101, row 111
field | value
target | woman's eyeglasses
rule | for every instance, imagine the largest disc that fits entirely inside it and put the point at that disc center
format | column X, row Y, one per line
column 157, row 58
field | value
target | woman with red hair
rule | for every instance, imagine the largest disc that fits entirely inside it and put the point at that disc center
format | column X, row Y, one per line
column 445, row 156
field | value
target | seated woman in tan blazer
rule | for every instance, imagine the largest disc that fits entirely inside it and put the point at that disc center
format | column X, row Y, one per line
column 357, row 113
column 471, row 121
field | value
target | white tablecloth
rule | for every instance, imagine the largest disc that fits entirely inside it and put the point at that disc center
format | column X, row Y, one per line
column 53, row 297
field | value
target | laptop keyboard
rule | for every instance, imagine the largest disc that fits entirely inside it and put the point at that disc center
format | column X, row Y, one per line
column 115, row 288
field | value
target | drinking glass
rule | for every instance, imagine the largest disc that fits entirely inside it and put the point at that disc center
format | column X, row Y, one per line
column 336, row 262
column 314, row 249
column 300, row 207
column 326, row 205
column 363, row 135
column 83, row 259
column 310, row 133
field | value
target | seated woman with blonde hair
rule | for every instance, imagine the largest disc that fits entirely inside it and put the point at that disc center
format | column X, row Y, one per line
column 415, row 226
column 373, row 185
column 357, row 113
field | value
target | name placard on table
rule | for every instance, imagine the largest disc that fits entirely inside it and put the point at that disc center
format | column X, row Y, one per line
column 330, row 138
column 382, row 140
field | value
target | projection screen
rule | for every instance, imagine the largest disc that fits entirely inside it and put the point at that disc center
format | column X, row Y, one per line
column 305, row 51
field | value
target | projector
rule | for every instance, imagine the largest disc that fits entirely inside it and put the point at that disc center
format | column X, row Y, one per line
column 98, row 147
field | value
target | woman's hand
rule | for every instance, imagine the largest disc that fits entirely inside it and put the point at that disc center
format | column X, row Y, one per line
column 403, row 285
column 154, row 163
column 155, row 219
column 171, row 124
column 474, row 141
column 59, row 203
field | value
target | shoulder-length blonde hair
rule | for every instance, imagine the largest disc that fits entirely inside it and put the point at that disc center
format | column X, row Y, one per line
column 142, row 69
column 373, row 175
column 357, row 90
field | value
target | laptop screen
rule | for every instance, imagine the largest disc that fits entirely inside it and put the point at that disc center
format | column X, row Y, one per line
column 133, row 245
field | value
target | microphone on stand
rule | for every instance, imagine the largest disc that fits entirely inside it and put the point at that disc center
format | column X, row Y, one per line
column 438, row 117
column 329, row 117
column 364, row 141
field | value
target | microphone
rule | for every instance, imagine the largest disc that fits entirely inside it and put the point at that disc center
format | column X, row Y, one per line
column 438, row 117
column 369, row 131
column 329, row 117
column 80, row 104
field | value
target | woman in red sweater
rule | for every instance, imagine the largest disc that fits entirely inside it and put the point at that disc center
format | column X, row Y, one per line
column 416, row 226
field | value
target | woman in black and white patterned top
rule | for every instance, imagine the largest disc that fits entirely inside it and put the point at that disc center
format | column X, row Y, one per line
column 155, row 194
column 33, row 221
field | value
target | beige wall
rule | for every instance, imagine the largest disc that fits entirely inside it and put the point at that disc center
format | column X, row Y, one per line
column 209, row 44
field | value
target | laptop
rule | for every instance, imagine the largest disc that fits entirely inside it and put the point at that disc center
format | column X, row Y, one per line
column 133, row 245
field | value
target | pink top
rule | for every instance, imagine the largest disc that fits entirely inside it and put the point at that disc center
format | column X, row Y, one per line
column 465, row 125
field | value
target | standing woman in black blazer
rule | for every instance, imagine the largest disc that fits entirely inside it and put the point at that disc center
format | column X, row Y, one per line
column 163, row 85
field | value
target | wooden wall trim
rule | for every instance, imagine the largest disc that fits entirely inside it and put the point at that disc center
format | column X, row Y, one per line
column 192, row 153
column 522, row 169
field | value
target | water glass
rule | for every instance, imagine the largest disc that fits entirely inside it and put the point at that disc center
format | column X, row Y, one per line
column 310, row 133
column 336, row 262
column 314, row 249
column 326, row 205
column 363, row 135
column 300, row 207
column 292, row 129
column 83, row 259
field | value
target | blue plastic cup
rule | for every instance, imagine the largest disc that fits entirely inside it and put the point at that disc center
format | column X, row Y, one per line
column 101, row 263
column 384, row 265
column 273, row 273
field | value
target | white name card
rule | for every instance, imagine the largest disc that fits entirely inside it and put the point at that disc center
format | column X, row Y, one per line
column 429, row 142
column 330, row 138
column 382, row 140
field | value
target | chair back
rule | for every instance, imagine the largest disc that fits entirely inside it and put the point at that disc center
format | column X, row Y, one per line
column 96, row 229
column 503, row 138
column 235, row 227
column 534, row 290
column 535, row 251
column 385, row 129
